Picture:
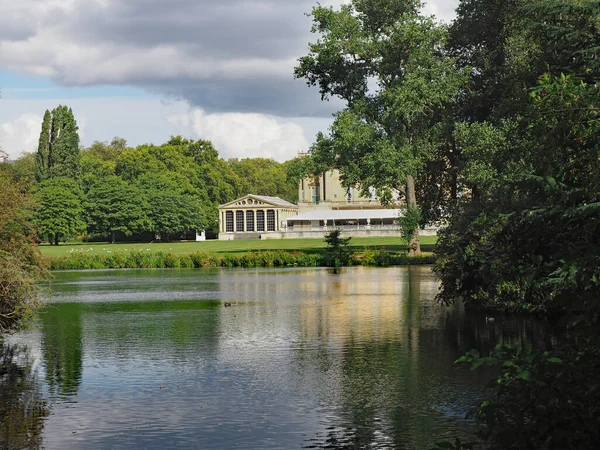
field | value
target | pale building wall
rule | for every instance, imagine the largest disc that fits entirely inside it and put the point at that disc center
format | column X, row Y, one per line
column 331, row 194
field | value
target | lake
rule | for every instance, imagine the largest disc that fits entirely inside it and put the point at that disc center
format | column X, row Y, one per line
column 303, row 358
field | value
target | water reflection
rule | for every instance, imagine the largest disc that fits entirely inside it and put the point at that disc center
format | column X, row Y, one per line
column 22, row 407
column 62, row 346
column 303, row 358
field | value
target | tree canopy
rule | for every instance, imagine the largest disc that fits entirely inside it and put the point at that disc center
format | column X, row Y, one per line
column 387, row 62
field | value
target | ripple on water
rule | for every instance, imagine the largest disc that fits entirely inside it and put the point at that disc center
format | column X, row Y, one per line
column 303, row 358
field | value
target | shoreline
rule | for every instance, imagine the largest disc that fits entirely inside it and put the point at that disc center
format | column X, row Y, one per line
column 269, row 258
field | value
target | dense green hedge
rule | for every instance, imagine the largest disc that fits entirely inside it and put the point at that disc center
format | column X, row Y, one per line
column 156, row 260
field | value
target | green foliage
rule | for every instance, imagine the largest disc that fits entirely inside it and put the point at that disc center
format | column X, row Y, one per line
column 141, row 259
column 525, row 233
column 21, row 264
column 59, row 214
column 337, row 253
column 58, row 149
column 112, row 205
column 262, row 176
column 409, row 221
column 547, row 399
column 384, row 136
column 174, row 205
column 21, row 171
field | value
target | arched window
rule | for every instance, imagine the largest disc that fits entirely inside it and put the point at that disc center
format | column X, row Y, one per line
column 270, row 220
column 249, row 220
column 229, row 221
column 260, row 220
column 239, row 221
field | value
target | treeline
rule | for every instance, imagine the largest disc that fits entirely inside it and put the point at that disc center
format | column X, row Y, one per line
column 491, row 124
column 113, row 191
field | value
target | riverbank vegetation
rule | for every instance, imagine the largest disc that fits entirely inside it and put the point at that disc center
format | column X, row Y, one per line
column 381, row 252
column 21, row 264
column 137, row 259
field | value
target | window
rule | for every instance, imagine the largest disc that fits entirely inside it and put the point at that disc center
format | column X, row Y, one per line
column 239, row 221
column 249, row 220
column 315, row 193
column 229, row 221
column 260, row 221
column 270, row 220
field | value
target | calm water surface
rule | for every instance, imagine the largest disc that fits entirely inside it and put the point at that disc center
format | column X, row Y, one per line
column 304, row 358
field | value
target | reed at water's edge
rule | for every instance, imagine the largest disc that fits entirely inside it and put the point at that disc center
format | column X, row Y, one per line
column 157, row 260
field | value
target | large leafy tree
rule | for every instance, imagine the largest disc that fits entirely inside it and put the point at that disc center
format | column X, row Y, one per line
column 21, row 264
column 58, row 148
column 263, row 176
column 112, row 206
column 526, row 234
column 174, row 205
column 387, row 62
column 60, row 212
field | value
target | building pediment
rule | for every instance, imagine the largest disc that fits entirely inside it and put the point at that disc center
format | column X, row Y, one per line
column 256, row 201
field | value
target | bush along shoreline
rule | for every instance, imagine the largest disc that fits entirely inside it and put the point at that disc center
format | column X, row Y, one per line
column 161, row 260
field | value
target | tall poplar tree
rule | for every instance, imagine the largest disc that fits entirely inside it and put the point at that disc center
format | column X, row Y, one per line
column 58, row 148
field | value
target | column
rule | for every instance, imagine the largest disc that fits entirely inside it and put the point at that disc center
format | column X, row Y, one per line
column 234, row 221
column 245, row 222
column 255, row 225
column 277, row 225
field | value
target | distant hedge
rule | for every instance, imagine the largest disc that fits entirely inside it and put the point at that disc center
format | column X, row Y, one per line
column 156, row 260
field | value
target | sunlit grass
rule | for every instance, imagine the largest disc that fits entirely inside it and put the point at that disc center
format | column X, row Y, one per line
column 392, row 244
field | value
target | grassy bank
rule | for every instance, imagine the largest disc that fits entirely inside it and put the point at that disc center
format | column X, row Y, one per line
column 391, row 244
column 277, row 253
column 269, row 258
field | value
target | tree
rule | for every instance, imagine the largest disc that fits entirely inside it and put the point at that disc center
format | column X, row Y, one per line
column 60, row 212
column 337, row 253
column 526, row 234
column 58, row 149
column 174, row 206
column 21, row 264
column 263, row 176
column 112, row 206
column 386, row 61
column 21, row 171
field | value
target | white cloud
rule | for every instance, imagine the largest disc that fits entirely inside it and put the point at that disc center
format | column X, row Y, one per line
column 238, row 135
column 150, row 120
column 20, row 135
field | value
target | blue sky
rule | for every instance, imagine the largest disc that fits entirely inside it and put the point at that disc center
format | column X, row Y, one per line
column 148, row 69
column 24, row 87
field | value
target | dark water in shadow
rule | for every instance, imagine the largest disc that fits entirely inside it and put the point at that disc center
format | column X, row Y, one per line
column 303, row 358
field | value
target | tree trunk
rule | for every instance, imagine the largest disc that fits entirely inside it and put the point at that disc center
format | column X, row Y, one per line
column 112, row 237
column 56, row 239
column 414, row 245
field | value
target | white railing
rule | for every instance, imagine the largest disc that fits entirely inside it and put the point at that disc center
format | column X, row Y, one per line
column 345, row 228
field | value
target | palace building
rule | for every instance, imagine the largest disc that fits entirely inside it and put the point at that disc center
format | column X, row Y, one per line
column 253, row 216
column 324, row 204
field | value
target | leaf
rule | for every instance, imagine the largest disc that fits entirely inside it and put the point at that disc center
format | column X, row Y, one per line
column 524, row 375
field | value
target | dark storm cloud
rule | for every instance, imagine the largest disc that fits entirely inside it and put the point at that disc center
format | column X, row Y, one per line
column 207, row 28
column 221, row 55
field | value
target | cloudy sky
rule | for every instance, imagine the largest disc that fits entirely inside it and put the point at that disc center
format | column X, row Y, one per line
column 148, row 69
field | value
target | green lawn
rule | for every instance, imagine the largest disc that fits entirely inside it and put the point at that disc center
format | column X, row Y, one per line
column 214, row 246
